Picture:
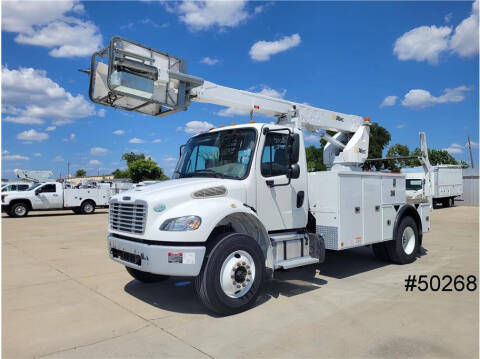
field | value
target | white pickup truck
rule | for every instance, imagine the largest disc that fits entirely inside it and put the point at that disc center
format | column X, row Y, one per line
column 53, row 196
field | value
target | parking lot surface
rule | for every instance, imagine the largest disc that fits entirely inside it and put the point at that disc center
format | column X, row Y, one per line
column 63, row 297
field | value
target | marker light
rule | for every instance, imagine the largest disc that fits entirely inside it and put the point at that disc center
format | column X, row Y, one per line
column 256, row 107
column 367, row 119
column 185, row 223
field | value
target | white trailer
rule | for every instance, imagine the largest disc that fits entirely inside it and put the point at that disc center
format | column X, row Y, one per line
column 446, row 183
column 242, row 204
column 53, row 196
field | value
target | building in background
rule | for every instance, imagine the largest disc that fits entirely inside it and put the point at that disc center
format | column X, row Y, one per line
column 470, row 187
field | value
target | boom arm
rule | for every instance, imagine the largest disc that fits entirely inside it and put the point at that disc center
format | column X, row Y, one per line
column 138, row 78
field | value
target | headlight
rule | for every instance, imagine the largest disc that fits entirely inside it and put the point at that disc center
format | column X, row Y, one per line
column 186, row 223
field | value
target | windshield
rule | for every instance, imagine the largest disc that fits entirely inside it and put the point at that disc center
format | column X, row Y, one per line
column 224, row 154
column 414, row 184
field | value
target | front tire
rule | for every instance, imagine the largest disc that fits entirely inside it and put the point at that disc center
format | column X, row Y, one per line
column 232, row 275
column 146, row 277
column 18, row 210
column 404, row 248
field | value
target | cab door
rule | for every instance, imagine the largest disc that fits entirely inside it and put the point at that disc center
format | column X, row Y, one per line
column 49, row 196
column 280, row 205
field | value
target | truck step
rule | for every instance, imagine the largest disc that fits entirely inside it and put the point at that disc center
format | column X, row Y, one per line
column 296, row 262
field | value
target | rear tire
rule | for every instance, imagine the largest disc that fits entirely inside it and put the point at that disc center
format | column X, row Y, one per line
column 380, row 251
column 146, row 277
column 18, row 210
column 76, row 210
column 232, row 274
column 404, row 248
column 87, row 207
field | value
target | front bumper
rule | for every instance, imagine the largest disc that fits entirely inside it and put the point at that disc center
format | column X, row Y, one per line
column 157, row 259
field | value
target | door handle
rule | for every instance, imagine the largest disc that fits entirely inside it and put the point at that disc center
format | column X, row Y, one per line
column 55, row 195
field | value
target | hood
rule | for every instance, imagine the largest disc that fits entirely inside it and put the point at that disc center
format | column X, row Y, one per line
column 183, row 188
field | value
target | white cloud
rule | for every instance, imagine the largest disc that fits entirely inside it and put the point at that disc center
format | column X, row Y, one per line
column 418, row 98
column 15, row 158
column 209, row 61
column 5, row 152
column 94, row 162
column 136, row 140
column 389, row 101
column 473, row 144
column 464, row 40
column 50, row 24
column 98, row 151
column 427, row 43
column 51, row 128
column 101, row 113
column 401, row 125
column 262, row 50
column 118, row 132
column 312, row 138
column 72, row 137
column 197, row 126
column 32, row 135
column 30, row 96
column 58, row 159
column 37, row 154
column 424, row 43
column 203, row 15
column 24, row 120
column 454, row 149
column 448, row 17
column 157, row 140
column 264, row 90
column 170, row 159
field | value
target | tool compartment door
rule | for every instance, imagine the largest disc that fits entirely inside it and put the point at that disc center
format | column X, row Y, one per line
column 372, row 215
column 351, row 217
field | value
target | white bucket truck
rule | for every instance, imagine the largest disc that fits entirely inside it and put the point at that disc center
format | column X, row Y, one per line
column 446, row 182
column 242, row 203
column 53, row 196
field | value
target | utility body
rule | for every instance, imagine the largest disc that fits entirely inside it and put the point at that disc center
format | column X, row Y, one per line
column 241, row 203
column 53, row 196
column 446, row 182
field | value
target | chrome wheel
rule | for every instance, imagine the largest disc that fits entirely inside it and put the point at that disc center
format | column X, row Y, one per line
column 20, row 211
column 408, row 240
column 237, row 274
column 88, row 208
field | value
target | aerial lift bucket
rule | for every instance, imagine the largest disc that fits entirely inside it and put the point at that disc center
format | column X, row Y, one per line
column 133, row 77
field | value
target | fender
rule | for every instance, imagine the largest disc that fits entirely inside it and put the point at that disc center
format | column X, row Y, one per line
column 16, row 200
column 410, row 211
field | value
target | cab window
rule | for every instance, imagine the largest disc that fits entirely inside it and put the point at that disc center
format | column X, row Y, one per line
column 48, row 188
column 414, row 184
column 275, row 157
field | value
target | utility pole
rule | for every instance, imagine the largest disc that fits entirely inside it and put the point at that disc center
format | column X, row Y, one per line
column 68, row 170
column 470, row 148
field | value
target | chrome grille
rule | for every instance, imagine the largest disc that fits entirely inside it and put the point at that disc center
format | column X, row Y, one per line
column 128, row 217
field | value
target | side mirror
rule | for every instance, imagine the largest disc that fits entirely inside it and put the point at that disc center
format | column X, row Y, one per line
column 294, row 171
column 37, row 192
column 295, row 148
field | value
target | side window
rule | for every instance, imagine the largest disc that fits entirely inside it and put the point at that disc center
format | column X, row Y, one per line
column 275, row 157
column 48, row 188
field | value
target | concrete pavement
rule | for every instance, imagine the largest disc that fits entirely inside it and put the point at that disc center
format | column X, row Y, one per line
column 63, row 298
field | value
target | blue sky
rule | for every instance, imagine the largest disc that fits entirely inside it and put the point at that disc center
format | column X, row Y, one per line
column 409, row 66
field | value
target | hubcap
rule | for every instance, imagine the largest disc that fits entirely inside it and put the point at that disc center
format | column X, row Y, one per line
column 237, row 274
column 408, row 240
column 88, row 208
column 20, row 210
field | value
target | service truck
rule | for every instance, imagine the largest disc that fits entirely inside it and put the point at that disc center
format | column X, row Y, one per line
column 241, row 203
column 53, row 196
column 446, row 182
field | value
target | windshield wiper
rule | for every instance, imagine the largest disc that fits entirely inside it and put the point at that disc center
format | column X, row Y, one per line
column 207, row 170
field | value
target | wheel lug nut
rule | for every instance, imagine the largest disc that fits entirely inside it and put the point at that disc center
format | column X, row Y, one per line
column 248, row 279
column 244, row 284
column 244, row 263
column 249, row 272
column 248, row 267
column 238, row 285
column 234, row 283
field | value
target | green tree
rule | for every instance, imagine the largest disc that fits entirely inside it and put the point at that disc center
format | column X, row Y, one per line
column 140, row 168
column 395, row 151
column 80, row 173
column 436, row 157
column 145, row 169
column 464, row 164
column 379, row 139
column 132, row 156
column 315, row 158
